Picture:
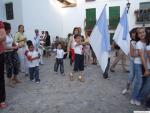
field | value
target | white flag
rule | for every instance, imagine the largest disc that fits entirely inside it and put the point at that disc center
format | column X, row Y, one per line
column 100, row 40
column 121, row 36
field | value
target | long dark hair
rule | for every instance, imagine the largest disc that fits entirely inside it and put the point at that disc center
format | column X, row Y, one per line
column 75, row 36
column 7, row 26
column 46, row 32
column 134, row 30
column 136, row 35
column 75, row 29
column 20, row 27
column 147, row 36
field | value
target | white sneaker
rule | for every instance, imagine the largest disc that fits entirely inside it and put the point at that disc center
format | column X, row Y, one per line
column 37, row 82
column 132, row 102
column 125, row 91
column 56, row 72
column 32, row 80
column 71, row 74
column 63, row 74
column 138, row 103
column 41, row 63
column 148, row 109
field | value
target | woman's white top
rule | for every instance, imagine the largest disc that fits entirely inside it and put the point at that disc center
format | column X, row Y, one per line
column 142, row 46
column 9, row 41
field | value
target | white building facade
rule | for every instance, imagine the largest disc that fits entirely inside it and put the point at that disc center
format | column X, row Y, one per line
column 48, row 15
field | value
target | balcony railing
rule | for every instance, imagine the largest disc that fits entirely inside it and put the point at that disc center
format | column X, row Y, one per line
column 142, row 16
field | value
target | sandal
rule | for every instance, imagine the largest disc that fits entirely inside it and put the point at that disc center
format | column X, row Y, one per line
column 112, row 70
column 16, row 81
column 72, row 77
column 81, row 79
column 11, row 85
column 3, row 105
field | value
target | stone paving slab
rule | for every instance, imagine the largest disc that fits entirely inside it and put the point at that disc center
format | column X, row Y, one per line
column 57, row 94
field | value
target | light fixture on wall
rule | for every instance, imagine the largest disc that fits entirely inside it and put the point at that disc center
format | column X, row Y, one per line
column 89, row 0
column 67, row 3
column 128, row 6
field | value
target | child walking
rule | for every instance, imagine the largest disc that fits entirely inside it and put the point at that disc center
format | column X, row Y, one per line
column 79, row 59
column 33, row 61
column 59, row 59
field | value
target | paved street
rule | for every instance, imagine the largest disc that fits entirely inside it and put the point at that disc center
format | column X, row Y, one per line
column 57, row 94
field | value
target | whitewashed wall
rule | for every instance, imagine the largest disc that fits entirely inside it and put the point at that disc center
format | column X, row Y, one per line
column 18, row 16
column 48, row 15
column 41, row 14
column 75, row 16
column 2, row 10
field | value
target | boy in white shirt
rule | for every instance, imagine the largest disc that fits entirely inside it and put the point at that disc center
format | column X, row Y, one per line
column 33, row 61
column 59, row 59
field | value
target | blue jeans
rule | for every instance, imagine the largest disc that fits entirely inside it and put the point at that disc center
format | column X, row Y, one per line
column 57, row 63
column 145, row 91
column 34, row 73
column 138, row 81
column 131, row 74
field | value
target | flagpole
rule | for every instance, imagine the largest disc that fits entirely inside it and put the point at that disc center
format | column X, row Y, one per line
column 128, row 6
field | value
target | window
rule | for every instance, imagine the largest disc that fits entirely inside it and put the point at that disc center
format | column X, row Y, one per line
column 143, row 14
column 9, row 11
column 90, row 18
column 145, row 5
column 114, row 16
